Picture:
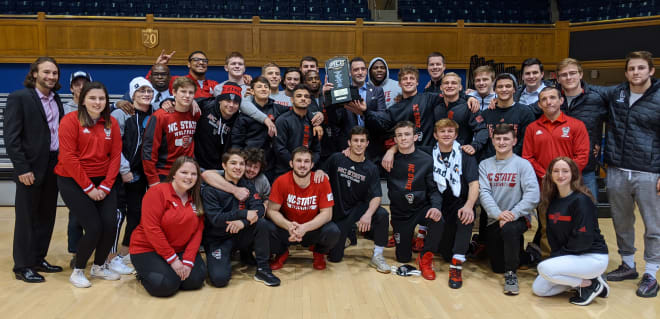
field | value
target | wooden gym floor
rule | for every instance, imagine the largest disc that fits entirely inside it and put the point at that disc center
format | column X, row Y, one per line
column 349, row 289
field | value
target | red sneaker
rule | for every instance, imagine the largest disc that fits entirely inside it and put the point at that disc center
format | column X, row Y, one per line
column 455, row 274
column 418, row 244
column 391, row 243
column 319, row 261
column 278, row 262
column 426, row 265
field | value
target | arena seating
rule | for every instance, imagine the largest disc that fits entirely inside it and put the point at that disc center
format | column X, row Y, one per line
column 490, row 11
column 595, row 10
column 245, row 9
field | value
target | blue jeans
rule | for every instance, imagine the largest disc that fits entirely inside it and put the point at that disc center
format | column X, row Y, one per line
column 589, row 179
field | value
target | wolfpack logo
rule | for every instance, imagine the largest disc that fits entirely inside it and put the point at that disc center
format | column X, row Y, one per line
column 397, row 238
column 107, row 133
column 410, row 197
column 184, row 141
column 217, row 254
column 564, row 131
column 348, row 182
column 622, row 96
column 539, row 132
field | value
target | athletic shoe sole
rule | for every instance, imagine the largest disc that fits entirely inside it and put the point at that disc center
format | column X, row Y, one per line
column 264, row 282
column 379, row 270
column 606, row 288
column 511, row 292
column 591, row 298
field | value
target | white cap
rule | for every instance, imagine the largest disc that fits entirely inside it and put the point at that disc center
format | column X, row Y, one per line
column 137, row 83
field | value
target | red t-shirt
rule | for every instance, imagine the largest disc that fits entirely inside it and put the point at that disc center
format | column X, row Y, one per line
column 300, row 204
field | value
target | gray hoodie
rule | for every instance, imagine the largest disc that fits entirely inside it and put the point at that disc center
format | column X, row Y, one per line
column 391, row 88
column 508, row 184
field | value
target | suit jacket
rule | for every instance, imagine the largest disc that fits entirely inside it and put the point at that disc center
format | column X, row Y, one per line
column 375, row 101
column 27, row 136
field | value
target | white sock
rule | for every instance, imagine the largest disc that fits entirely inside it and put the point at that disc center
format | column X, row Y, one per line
column 629, row 260
column 651, row 269
column 458, row 257
column 378, row 250
column 419, row 232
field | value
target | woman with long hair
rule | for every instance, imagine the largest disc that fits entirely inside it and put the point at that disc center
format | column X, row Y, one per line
column 88, row 165
column 578, row 255
column 165, row 246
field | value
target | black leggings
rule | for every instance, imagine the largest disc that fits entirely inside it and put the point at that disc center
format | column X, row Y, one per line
column 98, row 219
column 455, row 235
column 160, row 280
column 131, row 201
column 379, row 225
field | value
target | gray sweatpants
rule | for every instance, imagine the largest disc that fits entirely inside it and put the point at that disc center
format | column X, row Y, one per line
column 625, row 189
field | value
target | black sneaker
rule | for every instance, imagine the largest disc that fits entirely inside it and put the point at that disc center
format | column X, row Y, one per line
column 266, row 276
column 511, row 283
column 585, row 295
column 648, row 287
column 622, row 273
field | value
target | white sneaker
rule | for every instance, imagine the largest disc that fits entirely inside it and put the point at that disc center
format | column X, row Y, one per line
column 103, row 272
column 127, row 259
column 78, row 279
column 117, row 265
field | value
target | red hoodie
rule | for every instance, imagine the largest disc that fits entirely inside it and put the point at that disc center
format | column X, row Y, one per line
column 544, row 140
column 167, row 136
column 89, row 152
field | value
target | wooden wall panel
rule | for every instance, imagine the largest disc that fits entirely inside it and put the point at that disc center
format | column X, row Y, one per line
column 19, row 39
column 410, row 45
column 119, row 41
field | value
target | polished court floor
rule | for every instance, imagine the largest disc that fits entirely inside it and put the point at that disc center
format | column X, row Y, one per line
column 346, row 290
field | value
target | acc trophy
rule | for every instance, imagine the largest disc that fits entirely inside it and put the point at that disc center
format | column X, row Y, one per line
column 338, row 72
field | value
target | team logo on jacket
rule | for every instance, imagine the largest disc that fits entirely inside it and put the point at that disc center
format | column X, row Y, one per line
column 622, row 96
column 85, row 130
column 410, row 197
column 539, row 132
column 564, row 131
column 107, row 133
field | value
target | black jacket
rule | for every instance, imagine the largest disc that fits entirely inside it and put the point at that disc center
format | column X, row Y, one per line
column 471, row 126
column 26, row 133
column 633, row 139
column 518, row 114
column 410, row 185
column 213, row 134
column 293, row 131
column 346, row 120
column 221, row 207
column 590, row 108
column 417, row 109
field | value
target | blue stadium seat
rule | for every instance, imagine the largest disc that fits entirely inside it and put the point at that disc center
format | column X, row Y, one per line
column 7, row 6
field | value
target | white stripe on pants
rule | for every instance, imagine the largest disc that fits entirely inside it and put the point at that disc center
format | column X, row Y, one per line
column 559, row 274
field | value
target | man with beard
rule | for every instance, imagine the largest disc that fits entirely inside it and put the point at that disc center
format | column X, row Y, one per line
column 198, row 64
column 313, row 81
column 379, row 76
column 300, row 211
column 294, row 129
column 159, row 76
column 231, row 224
column 213, row 134
column 308, row 63
column 31, row 125
column 355, row 182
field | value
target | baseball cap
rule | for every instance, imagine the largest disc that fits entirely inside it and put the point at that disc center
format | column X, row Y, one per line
column 79, row 74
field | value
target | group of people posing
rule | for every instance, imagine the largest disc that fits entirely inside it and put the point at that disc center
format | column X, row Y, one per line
column 245, row 170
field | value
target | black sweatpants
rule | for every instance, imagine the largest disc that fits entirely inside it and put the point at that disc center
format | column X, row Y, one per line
column 379, row 226
column 35, row 210
column 455, row 235
column 404, row 229
column 218, row 251
column 98, row 219
column 131, row 197
column 160, row 280
column 323, row 238
column 504, row 245
column 73, row 232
